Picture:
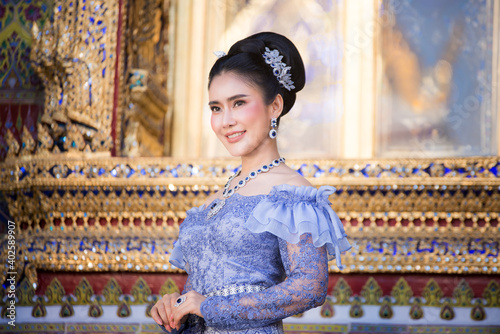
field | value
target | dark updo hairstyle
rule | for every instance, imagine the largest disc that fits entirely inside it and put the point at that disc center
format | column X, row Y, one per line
column 245, row 60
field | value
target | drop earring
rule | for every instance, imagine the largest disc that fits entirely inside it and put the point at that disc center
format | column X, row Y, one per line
column 273, row 133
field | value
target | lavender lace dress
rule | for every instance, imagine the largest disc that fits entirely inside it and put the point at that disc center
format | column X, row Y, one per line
column 260, row 259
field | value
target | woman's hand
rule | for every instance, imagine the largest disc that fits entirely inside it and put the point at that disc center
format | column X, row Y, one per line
column 190, row 305
column 162, row 311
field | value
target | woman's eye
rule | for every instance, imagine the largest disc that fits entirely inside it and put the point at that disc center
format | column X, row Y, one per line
column 239, row 103
column 215, row 109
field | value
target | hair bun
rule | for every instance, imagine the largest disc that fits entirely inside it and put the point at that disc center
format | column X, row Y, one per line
column 246, row 59
column 291, row 57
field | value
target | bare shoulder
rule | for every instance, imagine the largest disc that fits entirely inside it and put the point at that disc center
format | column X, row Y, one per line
column 293, row 178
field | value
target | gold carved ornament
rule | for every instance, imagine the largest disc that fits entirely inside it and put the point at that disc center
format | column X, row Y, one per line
column 75, row 56
column 423, row 216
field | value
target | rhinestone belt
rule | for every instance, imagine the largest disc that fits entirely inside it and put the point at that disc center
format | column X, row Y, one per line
column 234, row 289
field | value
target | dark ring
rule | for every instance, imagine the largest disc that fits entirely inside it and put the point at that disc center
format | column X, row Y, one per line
column 179, row 301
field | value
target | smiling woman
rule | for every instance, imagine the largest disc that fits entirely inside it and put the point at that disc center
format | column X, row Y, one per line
column 258, row 252
column 242, row 119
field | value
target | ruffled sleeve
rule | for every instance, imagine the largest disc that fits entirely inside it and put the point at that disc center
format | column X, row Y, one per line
column 291, row 211
column 177, row 257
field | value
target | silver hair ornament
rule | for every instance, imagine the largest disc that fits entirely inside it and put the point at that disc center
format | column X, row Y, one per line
column 219, row 54
column 280, row 70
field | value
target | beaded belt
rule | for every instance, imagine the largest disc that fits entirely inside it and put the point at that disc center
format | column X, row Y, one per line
column 234, row 289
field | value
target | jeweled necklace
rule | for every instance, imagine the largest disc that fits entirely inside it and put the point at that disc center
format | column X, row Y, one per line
column 226, row 193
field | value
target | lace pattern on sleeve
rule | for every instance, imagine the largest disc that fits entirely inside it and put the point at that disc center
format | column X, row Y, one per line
column 304, row 288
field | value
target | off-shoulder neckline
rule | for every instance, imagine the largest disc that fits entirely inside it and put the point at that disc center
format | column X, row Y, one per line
column 274, row 189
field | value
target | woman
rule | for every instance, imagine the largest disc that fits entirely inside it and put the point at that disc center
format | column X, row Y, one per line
column 257, row 252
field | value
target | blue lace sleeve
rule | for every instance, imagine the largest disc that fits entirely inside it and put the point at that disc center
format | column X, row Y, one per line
column 305, row 287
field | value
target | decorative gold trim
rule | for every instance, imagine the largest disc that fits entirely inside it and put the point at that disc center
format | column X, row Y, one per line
column 420, row 216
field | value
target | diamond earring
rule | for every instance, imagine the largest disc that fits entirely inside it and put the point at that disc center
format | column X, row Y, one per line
column 273, row 133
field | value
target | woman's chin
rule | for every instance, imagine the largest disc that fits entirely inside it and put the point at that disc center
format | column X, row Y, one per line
column 235, row 152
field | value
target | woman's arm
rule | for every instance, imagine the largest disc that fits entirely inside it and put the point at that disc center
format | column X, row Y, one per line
column 305, row 287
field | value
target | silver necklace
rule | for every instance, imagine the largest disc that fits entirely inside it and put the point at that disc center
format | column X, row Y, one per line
column 226, row 193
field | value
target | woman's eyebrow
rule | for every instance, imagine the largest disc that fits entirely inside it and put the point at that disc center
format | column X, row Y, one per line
column 232, row 98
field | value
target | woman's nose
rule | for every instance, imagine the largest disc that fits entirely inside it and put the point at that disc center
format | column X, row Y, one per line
column 228, row 119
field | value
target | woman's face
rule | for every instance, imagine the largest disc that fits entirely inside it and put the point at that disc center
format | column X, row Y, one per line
column 240, row 118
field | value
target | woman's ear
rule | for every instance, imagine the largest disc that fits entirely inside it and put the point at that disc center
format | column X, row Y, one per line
column 277, row 106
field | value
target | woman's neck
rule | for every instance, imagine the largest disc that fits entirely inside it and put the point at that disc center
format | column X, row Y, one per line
column 252, row 163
